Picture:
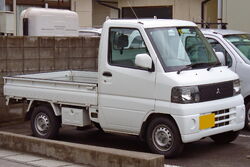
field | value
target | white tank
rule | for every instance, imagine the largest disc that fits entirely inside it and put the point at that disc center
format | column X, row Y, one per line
column 49, row 22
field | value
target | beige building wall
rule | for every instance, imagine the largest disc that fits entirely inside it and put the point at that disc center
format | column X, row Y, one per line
column 92, row 14
column 182, row 9
column 84, row 9
column 101, row 12
column 235, row 13
column 210, row 12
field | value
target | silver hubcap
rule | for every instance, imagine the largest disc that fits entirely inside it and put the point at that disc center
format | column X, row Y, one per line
column 42, row 124
column 162, row 137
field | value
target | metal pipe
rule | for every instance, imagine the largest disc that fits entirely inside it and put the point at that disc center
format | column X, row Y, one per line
column 15, row 16
column 109, row 6
column 219, row 19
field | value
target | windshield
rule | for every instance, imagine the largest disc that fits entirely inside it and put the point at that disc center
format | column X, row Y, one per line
column 180, row 47
column 242, row 43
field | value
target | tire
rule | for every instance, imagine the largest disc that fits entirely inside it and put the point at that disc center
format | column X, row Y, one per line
column 44, row 123
column 247, row 119
column 225, row 138
column 163, row 137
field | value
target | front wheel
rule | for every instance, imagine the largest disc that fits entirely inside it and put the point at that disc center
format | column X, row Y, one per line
column 247, row 120
column 163, row 137
column 44, row 123
column 226, row 137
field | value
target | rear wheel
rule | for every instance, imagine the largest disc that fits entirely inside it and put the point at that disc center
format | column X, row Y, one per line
column 44, row 123
column 163, row 137
column 226, row 137
column 247, row 120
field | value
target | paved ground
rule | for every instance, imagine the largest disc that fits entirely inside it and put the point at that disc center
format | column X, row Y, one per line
column 17, row 159
column 7, row 163
column 203, row 152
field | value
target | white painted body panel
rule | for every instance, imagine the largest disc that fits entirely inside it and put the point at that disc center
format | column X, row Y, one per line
column 75, row 116
column 66, row 87
column 129, row 95
column 166, row 81
column 187, row 116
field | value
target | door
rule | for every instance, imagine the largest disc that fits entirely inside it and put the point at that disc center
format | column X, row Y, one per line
column 219, row 47
column 126, row 92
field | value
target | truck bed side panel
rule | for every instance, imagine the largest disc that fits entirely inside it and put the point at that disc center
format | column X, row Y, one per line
column 56, row 91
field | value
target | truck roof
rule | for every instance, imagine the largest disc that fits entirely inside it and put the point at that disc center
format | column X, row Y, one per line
column 222, row 31
column 151, row 23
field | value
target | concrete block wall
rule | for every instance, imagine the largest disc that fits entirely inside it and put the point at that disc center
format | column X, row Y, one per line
column 26, row 55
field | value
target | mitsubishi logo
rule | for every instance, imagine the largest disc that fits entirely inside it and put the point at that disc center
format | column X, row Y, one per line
column 218, row 91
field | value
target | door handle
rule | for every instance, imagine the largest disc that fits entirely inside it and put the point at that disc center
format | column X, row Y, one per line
column 107, row 74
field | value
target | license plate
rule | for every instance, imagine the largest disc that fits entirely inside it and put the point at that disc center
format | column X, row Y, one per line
column 207, row 121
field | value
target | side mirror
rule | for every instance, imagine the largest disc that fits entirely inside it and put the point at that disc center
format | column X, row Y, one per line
column 221, row 58
column 144, row 61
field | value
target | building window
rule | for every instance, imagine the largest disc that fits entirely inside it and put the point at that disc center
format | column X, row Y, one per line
column 59, row 4
column 161, row 12
column 6, row 5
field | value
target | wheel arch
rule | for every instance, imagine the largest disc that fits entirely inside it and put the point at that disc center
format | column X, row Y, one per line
column 247, row 119
column 34, row 103
column 247, row 99
column 150, row 117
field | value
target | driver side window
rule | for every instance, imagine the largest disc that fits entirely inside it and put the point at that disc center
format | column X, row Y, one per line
column 219, row 48
column 124, row 45
column 196, row 50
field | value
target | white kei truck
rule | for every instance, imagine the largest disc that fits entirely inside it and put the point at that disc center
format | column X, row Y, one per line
column 235, row 46
column 157, row 79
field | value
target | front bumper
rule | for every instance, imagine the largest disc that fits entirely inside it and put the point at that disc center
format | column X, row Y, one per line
column 230, row 114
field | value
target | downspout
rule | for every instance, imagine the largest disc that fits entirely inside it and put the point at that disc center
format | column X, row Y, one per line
column 220, row 10
column 15, row 16
column 104, row 3
column 203, row 3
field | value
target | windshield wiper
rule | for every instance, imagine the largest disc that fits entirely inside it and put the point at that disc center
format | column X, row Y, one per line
column 184, row 68
column 191, row 66
column 213, row 65
column 199, row 64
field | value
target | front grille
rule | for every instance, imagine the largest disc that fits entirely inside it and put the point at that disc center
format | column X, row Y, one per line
column 216, row 91
column 222, row 118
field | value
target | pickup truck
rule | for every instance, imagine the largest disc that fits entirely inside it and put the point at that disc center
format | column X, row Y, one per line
column 235, row 46
column 165, row 85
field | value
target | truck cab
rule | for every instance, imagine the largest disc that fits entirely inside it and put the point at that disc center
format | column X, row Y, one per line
column 157, row 79
column 171, row 75
column 235, row 46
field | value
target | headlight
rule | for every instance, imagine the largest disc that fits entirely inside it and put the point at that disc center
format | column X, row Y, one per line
column 187, row 94
column 236, row 84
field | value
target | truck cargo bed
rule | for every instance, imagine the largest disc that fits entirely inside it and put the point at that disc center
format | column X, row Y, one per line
column 65, row 87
